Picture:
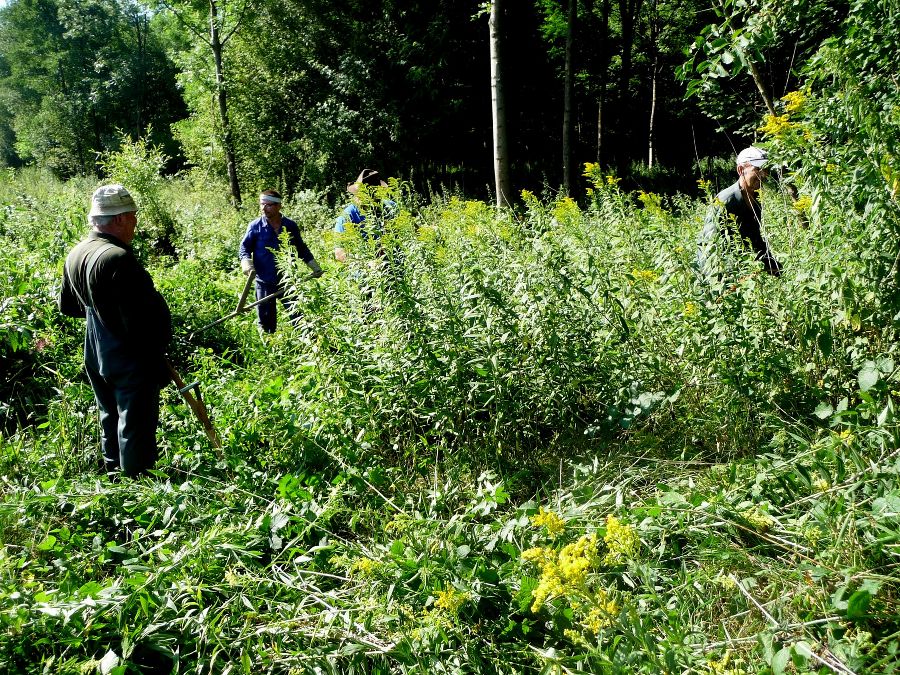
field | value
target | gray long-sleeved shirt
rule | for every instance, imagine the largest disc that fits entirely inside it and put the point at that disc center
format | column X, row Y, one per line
column 731, row 214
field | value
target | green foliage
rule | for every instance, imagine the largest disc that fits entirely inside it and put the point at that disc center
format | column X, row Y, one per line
column 774, row 37
column 514, row 441
column 139, row 165
column 75, row 76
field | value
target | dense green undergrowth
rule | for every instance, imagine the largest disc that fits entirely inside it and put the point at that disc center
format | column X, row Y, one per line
column 519, row 441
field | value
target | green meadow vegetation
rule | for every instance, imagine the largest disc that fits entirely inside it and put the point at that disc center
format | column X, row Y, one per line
column 525, row 440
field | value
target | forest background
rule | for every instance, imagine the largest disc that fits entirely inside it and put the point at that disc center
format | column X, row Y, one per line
column 524, row 440
column 314, row 91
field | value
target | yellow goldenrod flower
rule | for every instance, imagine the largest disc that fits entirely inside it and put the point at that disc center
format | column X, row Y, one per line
column 554, row 524
column 622, row 541
column 760, row 520
column 365, row 568
column 690, row 308
column 575, row 559
column 644, row 275
column 725, row 581
column 776, row 125
column 562, row 573
column 612, row 180
column 566, row 211
column 602, row 614
column 541, row 556
column 794, row 100
column 803, row 204
column 450, row 600
column 726, row 667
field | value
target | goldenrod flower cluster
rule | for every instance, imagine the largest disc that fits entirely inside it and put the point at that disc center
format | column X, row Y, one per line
column 529, row 198
column 622, row 541
column 821, row 484
column 399, row 524
column 777, row 125
column 554, row 524
column 803, row 204
column 690, row 308
column 564, row 572
column 794, row 100
column 760, row 520
column 652, row 202
column 644, row 275
column 594, row 173
column 450, row 600
column 566, row 211
column 726, row 666
column 602, row 614
column 365, row 568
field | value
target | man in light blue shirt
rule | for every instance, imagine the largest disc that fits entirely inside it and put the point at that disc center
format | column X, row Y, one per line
column 377, row 212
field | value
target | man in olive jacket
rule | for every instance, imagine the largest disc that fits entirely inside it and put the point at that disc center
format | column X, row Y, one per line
column 128, row 330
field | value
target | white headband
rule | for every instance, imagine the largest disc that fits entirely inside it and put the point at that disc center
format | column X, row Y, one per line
column 269, row 199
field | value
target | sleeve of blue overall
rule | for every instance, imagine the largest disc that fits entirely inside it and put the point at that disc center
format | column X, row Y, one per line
column 248, row 243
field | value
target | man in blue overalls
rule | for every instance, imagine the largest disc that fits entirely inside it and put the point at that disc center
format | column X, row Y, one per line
column 257, row 252
column 127, row 332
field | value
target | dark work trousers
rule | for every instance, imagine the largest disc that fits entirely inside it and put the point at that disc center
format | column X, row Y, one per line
column 127, row 393
column 267, row 312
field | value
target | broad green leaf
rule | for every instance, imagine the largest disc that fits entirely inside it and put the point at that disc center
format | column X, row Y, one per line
column 781, row 660
column 858, row 604
column 823, row 411
column 48, row 543
column 868, row 376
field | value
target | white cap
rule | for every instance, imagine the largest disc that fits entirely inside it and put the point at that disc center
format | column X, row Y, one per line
column 753, row 155
column 111, row 200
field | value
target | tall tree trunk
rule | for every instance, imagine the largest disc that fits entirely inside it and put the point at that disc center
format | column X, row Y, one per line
column 654, row 73
column 501, row 156
column 754, row 71
column 604, row 73
column 568, row 103
column 650, row 156
column 761, row 86
column 215, row 44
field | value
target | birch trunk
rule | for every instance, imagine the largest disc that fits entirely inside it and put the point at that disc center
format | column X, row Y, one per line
column 568, row 103
column 501, row 154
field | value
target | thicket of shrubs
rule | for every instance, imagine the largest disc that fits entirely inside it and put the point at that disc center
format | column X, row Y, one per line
column 526, row 440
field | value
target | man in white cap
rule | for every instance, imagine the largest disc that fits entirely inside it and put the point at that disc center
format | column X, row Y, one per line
column 257, row 253
column 736, row 210
column 128, row 330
